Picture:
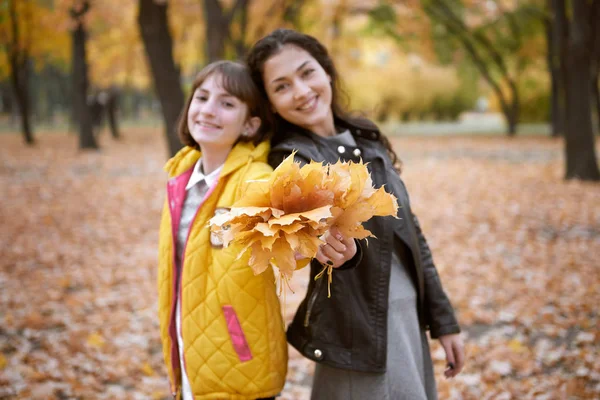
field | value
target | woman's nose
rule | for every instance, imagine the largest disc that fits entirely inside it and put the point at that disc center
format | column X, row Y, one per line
column 301, row 90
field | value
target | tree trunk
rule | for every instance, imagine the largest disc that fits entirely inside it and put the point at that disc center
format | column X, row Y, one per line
column 111, row 113
column 595, row 50
column 19, row 80
column 596, row 96
column 553, row 61
column 217, row 28
column 512, row 120
column 158, row 43
column 596, row 91
column 80, row 86
column 239, row 44
column 515, row 108
column 19, row 62
column 579, row 139
column 61, row 97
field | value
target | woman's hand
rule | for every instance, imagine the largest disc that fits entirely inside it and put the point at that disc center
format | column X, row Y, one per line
column 337, row 249
column 455, row 354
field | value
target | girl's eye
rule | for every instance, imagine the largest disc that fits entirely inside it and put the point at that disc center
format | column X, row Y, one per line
column 202, row 98
column 281, row 87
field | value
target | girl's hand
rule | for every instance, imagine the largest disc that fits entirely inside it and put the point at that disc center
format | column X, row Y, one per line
column 336, row 250
column 455, row 354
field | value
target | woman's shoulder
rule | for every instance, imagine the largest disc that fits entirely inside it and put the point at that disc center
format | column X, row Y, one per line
column 361, row 127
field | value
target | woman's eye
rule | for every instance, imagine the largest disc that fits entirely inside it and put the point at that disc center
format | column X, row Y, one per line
column 228, row 104
column 307, row 72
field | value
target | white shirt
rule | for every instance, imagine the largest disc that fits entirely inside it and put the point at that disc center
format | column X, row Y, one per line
column 196, row 177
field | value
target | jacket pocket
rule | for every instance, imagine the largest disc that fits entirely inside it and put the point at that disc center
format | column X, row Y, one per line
column 238, row 339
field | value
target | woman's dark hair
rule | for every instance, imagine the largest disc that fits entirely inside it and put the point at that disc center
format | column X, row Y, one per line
column 236, row 80
column 271, row 45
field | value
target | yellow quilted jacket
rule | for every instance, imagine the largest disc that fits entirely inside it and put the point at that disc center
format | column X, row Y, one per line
column 233, row 333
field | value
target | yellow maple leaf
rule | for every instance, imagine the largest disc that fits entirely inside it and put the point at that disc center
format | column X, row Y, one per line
column 148, row 370
column 95, row 340
column 516, row 346
column 256, row 193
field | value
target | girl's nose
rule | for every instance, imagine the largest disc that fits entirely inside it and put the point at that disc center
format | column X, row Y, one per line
column 208, row 108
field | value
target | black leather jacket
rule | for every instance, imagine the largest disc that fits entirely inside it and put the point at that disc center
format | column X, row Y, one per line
column 349, row 330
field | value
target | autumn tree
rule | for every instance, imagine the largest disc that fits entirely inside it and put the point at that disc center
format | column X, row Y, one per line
column 158, row 43
column 15, row 38
column 576, row 24
column 492, row 39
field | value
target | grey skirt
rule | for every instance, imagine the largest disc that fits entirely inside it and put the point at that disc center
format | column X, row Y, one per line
column 409, row 372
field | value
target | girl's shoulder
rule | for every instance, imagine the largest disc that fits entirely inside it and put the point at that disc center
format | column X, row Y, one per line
column 258, row 170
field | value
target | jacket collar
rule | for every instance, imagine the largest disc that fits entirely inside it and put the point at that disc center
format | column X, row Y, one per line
column 242, row 154
column 358, row 127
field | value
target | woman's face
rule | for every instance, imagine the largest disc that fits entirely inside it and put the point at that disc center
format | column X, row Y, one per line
column 216, row 119
column 299, row 90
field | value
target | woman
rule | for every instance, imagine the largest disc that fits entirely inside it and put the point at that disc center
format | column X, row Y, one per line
column 221, row 325
column 369, row 338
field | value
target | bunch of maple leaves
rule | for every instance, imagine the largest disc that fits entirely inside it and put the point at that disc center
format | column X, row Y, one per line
column 516, row 248
column 283, row 218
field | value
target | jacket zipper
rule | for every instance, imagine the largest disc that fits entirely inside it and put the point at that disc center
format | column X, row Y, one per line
column 421, row 283
column 312, row 300
column 178, row 294
column 172, row 329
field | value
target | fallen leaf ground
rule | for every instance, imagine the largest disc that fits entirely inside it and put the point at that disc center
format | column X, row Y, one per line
column 518, row 250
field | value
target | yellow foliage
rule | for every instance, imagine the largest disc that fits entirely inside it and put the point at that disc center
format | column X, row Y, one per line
column 383, row 73
column 375, row 70
column 40, row 34
column 115, row 51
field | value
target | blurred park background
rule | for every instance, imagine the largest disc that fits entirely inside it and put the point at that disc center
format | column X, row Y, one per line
column 493, row 107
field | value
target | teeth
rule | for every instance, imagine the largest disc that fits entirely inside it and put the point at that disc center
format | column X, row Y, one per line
column 308, row 105
column 207, row 125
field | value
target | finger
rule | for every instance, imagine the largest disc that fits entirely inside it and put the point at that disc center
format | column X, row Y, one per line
column 336, row 244
column 332, row 254
column 459, row 356
column 322, row 258
column 450, row 362
column 350, row 244
column 335, row 232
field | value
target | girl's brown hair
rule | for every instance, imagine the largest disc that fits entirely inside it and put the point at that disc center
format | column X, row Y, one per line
column 236, row 80
column 272, row 44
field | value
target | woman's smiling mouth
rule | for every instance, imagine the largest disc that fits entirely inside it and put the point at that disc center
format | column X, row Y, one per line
column 309, row 105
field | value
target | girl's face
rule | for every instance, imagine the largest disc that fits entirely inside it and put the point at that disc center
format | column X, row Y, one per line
column 216, row 119
column 299, row 90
